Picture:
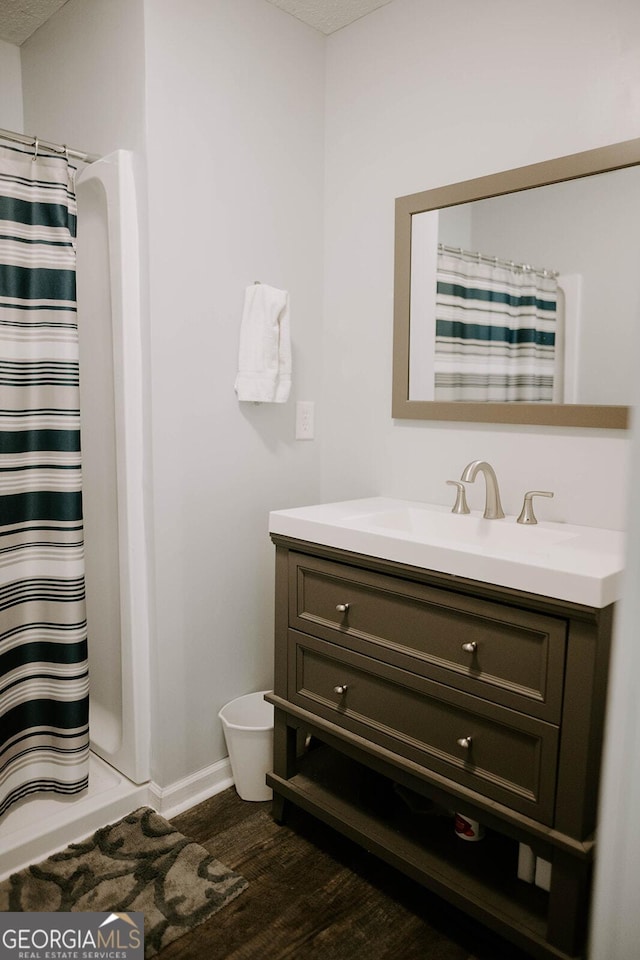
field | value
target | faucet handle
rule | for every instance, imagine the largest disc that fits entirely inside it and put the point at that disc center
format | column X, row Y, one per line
column 526, row 514
column 461, row 505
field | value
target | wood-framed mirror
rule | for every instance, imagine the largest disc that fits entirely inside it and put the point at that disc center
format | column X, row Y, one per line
column 576, row 209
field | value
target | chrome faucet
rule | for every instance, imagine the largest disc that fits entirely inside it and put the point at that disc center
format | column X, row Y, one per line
column 492, row 508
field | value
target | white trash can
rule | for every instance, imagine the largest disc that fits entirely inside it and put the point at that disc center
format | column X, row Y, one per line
column 247, row 723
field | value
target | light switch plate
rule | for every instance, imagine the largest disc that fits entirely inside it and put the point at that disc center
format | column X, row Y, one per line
column 305, row 415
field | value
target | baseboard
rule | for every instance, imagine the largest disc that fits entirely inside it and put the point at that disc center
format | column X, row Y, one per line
column 183, row 794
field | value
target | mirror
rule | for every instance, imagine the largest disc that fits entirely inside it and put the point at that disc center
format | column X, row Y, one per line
column 582, row 231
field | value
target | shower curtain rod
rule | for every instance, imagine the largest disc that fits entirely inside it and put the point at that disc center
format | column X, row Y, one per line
column 497, row 261
column 36, row 143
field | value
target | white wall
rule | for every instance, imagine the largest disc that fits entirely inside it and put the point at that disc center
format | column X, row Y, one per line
column 83, row 76
column 616, row 919
column 10, row 87
column 235, row 93
column 419, row 95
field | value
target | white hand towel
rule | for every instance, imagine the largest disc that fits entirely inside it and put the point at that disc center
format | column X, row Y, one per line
column 264, row 356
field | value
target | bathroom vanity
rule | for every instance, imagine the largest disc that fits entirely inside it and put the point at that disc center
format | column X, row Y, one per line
column 406, row 690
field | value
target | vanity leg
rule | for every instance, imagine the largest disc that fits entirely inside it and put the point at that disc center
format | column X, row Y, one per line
column 568, row 903
column 285, row 748
column 285, row 740
column 279, row 809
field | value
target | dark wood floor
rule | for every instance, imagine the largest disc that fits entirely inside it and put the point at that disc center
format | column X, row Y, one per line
column 314, row 895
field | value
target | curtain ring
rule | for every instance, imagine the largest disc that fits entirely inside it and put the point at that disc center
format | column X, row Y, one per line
column 35, row 149
column 66, row 152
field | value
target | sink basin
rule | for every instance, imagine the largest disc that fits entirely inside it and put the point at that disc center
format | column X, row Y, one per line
column 429, row 525
column 564, row 561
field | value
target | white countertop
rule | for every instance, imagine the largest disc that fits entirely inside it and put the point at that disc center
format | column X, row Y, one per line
column 567, row 562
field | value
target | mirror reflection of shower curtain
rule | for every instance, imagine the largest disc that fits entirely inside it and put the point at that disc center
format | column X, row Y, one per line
column 44, row 734
column 495, row 331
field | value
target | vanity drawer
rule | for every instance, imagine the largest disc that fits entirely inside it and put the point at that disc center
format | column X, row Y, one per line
column 511, row 757
column 507, row 655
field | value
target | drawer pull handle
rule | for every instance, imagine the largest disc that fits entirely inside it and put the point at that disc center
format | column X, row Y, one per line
column 340, row 689
column 342, row 607
column 464, row 742
column 470, row 647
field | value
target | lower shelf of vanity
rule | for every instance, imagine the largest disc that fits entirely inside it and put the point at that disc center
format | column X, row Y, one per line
column 407, row 831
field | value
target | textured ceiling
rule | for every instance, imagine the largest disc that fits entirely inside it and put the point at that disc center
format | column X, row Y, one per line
column 329, row 15
column 20, row 18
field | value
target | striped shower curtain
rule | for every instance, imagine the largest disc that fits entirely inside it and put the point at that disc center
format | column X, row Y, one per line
column 495, row 331
column 44, row 734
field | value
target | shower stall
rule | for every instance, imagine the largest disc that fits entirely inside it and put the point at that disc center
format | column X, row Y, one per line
column 116, row 567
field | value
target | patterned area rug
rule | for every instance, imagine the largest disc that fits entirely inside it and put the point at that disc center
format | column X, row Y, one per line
column 139, row 863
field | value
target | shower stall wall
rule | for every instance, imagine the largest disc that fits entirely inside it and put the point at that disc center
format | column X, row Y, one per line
column 111, row 387
column 111, row 414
